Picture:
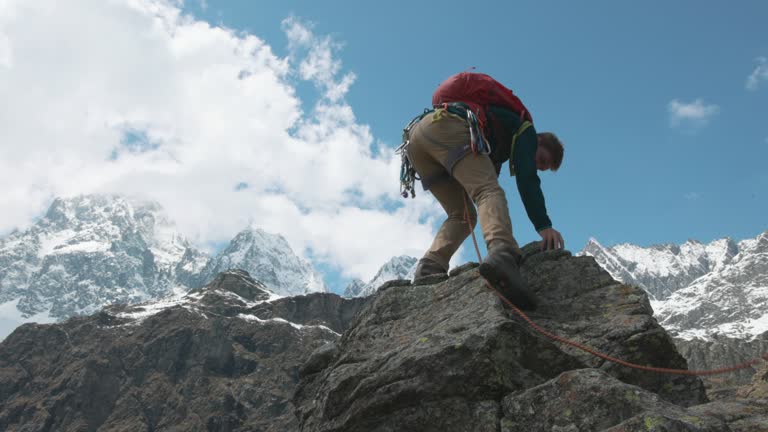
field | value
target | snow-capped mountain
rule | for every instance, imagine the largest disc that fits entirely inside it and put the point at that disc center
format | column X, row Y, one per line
column 354, row 288
column 732, row 301
column 400, row 267
column 662, row 269
column 698, row 290
column 269, row 259
column 91, row 251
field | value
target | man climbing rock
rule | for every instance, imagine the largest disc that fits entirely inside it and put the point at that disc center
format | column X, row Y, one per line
column 457, row 149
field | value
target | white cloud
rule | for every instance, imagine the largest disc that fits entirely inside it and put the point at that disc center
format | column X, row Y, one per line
column 134, row 97
column 759, row 74
column 318, row 64
column 6, row 55
column 696, row 113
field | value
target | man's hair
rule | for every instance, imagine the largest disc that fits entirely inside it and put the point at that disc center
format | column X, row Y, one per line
column 549, row 141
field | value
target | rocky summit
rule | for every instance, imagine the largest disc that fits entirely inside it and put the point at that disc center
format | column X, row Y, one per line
column 441, row 354
column 447, row 355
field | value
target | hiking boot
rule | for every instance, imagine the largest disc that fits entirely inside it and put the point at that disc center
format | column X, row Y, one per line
column 500, row 269
column 428, row 267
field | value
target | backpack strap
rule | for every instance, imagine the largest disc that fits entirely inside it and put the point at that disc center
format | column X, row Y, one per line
column 526, row 124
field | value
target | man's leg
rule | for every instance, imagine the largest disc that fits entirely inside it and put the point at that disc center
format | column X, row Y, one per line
column 477, row 175
column 452, row 233
column 431, row 141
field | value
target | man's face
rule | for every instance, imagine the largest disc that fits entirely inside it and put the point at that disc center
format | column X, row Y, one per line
column 543, row 159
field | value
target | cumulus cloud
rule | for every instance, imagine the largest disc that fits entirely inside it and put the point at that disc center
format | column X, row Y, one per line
column 135, row 97
column 759, row 74
column 318, row 61
column 696, row 113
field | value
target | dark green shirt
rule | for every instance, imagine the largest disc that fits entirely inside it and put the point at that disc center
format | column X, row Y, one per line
column 502, row 125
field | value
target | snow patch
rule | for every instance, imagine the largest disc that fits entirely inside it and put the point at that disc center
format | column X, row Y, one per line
column 91, row 246
column 49, row 243
column 747, row 330
column 10, row 245
column 196, row 265
column 280, row 320
column 144, row 311
column 248, row 303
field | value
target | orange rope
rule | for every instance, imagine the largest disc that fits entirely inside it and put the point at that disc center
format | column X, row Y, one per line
column 592, row 350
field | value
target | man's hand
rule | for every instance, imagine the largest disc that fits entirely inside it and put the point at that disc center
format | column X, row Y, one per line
column 551, row 239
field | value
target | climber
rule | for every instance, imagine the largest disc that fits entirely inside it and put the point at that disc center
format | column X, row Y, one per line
column 457, row 149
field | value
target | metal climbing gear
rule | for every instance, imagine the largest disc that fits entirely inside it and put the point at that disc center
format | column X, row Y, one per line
column 408, row 175
column 478, row 143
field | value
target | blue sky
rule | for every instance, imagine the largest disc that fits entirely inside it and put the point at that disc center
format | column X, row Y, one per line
column 661, row 106
column 601, row 75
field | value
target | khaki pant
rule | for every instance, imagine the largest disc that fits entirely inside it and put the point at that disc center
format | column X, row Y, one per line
column 434, row 141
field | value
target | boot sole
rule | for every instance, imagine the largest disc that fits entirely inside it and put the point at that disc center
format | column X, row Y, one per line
column 514, row 291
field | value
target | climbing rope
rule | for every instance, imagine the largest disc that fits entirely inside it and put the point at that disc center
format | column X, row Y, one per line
column 592, row 350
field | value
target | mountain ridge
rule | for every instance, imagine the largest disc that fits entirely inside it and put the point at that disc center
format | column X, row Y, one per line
column 698, row 290
column 89, row 251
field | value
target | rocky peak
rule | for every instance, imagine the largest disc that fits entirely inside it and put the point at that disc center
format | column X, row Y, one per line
column 756, row 245
column 239, row 282
column 89, row 251
column 399, row 267
column 75, row 211
column 443, row 354
column 593, row 244
column 664, row 268
column 224, row 355
column 354, row 288
column 269, row 259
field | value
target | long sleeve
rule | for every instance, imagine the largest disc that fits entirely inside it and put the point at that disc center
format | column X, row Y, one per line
column 528, row 182
column 505, row 124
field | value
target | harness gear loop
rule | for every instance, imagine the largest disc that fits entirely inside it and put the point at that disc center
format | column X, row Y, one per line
column 747, row 364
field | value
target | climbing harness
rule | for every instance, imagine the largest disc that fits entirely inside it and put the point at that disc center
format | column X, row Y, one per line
column 592, row 351
column 478, row 143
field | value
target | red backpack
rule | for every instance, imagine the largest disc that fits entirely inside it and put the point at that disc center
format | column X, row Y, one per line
column 478, row 90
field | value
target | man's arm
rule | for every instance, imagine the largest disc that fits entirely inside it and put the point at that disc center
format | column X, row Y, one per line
column 523, row 160
column 528, row 182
